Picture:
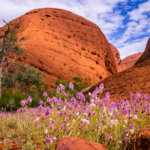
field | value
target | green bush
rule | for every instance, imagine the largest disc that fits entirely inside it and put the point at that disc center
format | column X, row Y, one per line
column 6, row 96
column 78, row 87
column 35, row 103
column 27, row 80
column 18, row 96
column 11, row 100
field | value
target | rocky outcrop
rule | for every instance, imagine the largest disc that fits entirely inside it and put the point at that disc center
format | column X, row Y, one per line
column 132, row 80
column 146, row 54
column 62, row 45
column 128, row 62
column 140, row 140
column 116, row 54
column 71, row 143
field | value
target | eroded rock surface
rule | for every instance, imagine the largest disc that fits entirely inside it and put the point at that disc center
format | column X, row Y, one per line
column 116, row 54
column 71, row 143
column 146, row 54
column 125, row 63
column 132, row 80
column 62, row 45
column 142, row 139
column 128, row 62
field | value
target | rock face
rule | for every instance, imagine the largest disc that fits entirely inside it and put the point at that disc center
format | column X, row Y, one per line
column 71, row 143
column 132, row 80
column 128, row 62
column 62, row 45
column 142, row 140
column 146, row 54
column 116, row 54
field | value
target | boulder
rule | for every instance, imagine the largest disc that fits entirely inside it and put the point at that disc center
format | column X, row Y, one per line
column 71, row 143
column 62, row 44
column 141, row 139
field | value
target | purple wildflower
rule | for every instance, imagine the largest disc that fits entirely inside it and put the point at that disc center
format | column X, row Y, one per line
column 45, row 94
column 79, row 94
column 29, row 99
column 103, row 120
column 47, row 111
column 83, row 98
column 96, row 127
column 126, row 131
column 36, row 123
column 71, row 85
column 48, row 140
column 41, row 102
column 110, row 138
column 62, row 87
column 94, row 96
column 58, row 89
column 64, row 93
column 131, row 126
column 50, row 127
column 40, row 108
column 126, row 139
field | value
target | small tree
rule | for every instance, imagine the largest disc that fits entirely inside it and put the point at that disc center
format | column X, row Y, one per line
column 26, row 79
column 8, row 44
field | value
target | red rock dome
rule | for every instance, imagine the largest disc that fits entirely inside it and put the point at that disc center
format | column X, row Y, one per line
column 128, row 62
column 131, row 80
column 62, row 45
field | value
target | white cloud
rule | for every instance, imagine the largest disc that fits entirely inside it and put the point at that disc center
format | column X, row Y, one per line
column 138, row 26
column 130, row 48
column 138, row 14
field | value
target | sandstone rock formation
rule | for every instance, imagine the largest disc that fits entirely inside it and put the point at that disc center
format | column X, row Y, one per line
column 62, row 44
column 116, row 54
column 132, row 80
column 146, row 54
column 142, row 139
column 128, row 62
column 71, row 143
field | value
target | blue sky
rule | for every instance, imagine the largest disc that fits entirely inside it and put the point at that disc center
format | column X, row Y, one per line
column 125, row 23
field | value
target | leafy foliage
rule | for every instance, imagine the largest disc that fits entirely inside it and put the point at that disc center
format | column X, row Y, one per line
column 10, row 41
column 27, row 80
column 10, row 99
column 8, row 44
column 78, row 87
column 18, row 86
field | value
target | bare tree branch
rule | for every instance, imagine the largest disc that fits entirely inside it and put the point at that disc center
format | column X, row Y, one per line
column 10, row 65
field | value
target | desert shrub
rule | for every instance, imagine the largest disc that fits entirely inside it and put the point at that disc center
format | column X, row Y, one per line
column 6, row 96
column 27, row 80
column 11, row 100
column 12, row 122
column 18, row 96
column 35, row 102
column 87, row 98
